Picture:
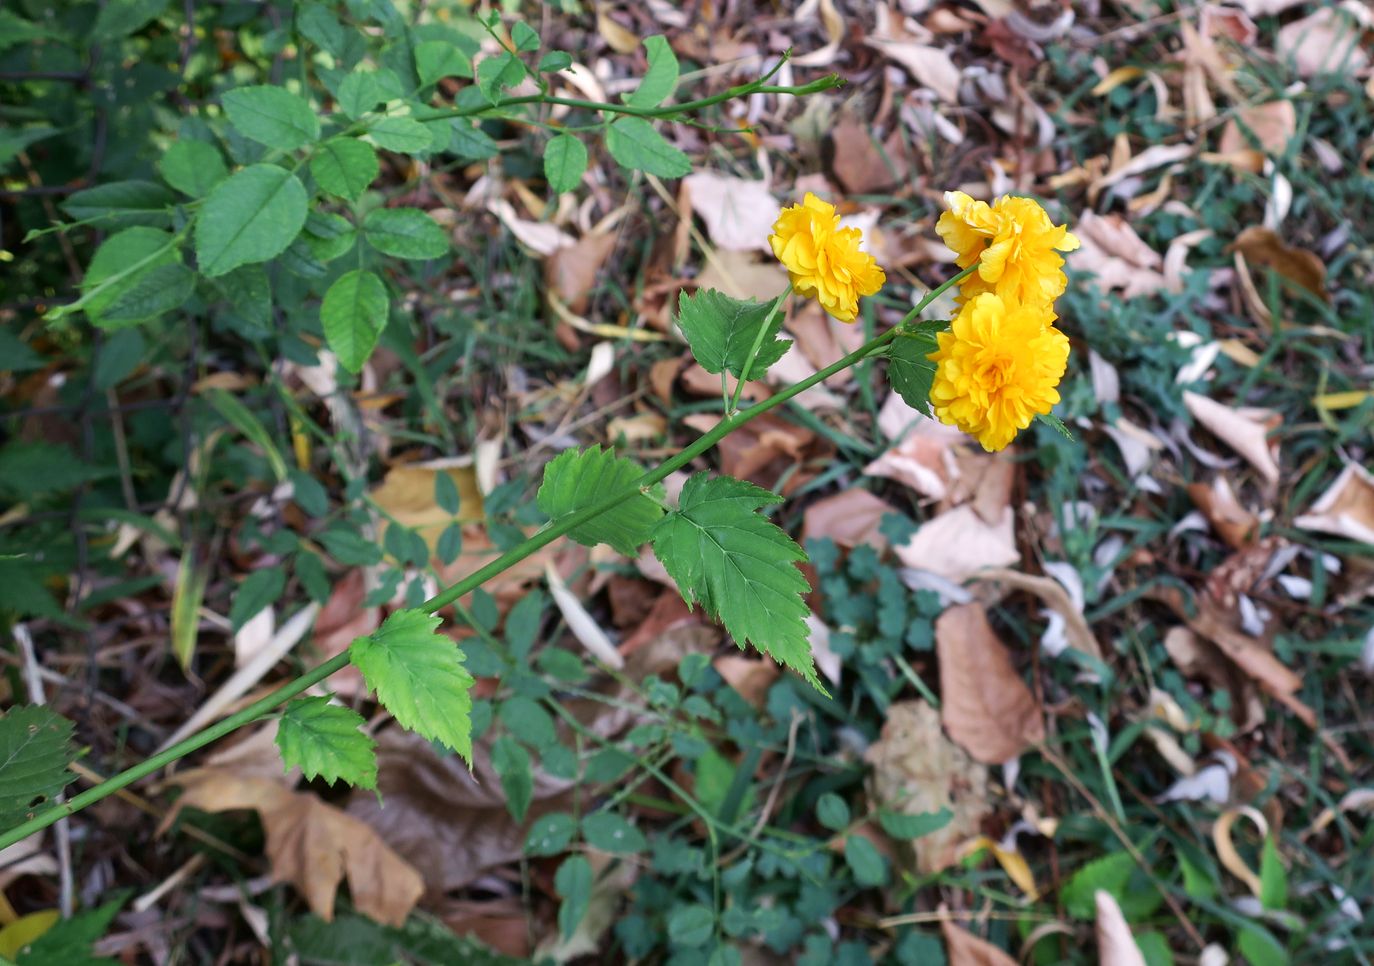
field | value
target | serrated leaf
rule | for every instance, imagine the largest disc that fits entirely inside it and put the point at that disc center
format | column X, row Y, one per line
column 272, row 116
column 405, row 233
column 261, row 588
column 122, row 203
column 635, row 144
column 404, row 135
column 554, row 61
column 362, row 90
column 136, row 274
column 661, row 78
column 437, row 59
column 725, row 555
column 565, row 160
column 35, row 750
column 192, row 167
column 524, row 36
column 344, row 167
column 353, row 315
column 250, row 217
column 578, row 479
column 494, row 74
column 470, row 142
column 721, row 330
column 908, row 369
column 419, row 677
column 326, row 741
column 1055, row 423
column 512, row 764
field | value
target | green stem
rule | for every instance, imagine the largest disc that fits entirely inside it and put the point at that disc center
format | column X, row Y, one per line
column 754, row 350
column 465, row 586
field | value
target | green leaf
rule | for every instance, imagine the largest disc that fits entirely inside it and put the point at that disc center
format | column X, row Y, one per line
column 328, row 236
column 120, row 18
column 241, row 418
column 1117, row 874
column 261, row 588
column 721, row 330
column 864, row 860
column 525, row 38
column 353, row 314
column 725, row 555
column 1197, row 884
column 612, row 833
column 32, row 469
column 35, row 750
column 496, row 73
column 363, row 90
column 405, row 233
column 1055, row 423
column 311, row 573
column 565, row 159
column 691, row 925
column 437, row 59
column 574, row 883
column 512, row 764
column 16, row 356
column 832, row 811
column 578, row 479
column 326, row 741
column 249, row 292
column 528, row 721
column 122, row 203
column 136, row 274
column 1260, row 948
column 344, row 167
column 16, row 139
column 550, row 834
column 250, row 217
column 69, row 942
column 272, row 116
column 661, row 78
column 187, row 596
column 450, row 543
column 419, row 677
column 554, row 61
column 317, row 24
column 906, row 827
column 1273, row 878
column 908, row 369
column 404, row 135
column 470, row 142
column 193, row 167
column 635, row 144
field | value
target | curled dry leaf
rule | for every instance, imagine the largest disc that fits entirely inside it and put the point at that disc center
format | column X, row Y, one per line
column 312, row 845
column 930, row 66
column 750, row 676
column 1262, row 246
column 1346, row 509
column 959, row 543
column 1328, row 40
column 1056, row 597
column 1227, row 854
column 571, row 270
column 1246, row 430
column 738, row 212
column 917, row 770
column 851, row 518
column 861, row 165
column 406, row 493
column 1236, row 525
column 923, row 458
column 1272, row 124
column 963, row 948
column 1115, row 944
column 987, row 708
column 539, row 237
column 1111, row 250
column 1200, row 659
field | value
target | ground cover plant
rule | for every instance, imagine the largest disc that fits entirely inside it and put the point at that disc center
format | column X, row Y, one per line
column 678, row 484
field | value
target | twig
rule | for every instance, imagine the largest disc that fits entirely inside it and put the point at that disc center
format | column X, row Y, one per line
column 34, row 680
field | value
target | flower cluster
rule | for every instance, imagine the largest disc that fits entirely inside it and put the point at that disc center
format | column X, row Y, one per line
column 998, row 366
column 824, row 260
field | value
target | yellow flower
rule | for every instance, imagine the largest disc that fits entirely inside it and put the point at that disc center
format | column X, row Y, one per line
column 997, row 368
column 823, row 259
column 1014, row 244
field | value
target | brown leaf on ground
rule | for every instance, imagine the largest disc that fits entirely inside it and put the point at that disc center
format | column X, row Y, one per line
column 1261, row 246
column 406, row 493
column 918, row 770
column 861, row 165
column 741, row 278
column 1236, row 525
column 1115, row 944
column 1272, row 124
column 959, row 543
column 1246, row 430
column 502, row 923
column 739, row 213
column 987, row 708
column 923, row 458
column 1346, row 509
column 1200, row 659
column 851, row 518
column 963, row 948
column 1056, row 597
column 341, row 620
column 750, row 676
column 1328, row 40
column 312, row 845
column 611, row 880
column 930, row 66
column 571, row 271
column 763, row 450
column 1111, row 250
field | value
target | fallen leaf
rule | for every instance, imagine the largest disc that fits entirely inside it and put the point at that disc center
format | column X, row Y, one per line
column 917, row 770
column 620, row 39
column 539, row 237
column 406, row 493
column 923, row 457
column 930, row 66
column 1056, row 597
column 1236, row 526
column 742, row 278
column 959, row 543
column 1246, row 430
column 861, row 165
column 1328, row 40
column 987, row 709
column 572, row 270
column 751, row 677
column 738, row 213
column 963, row 948
column 1272, row 124
column 311, row 844
column 1115, row 944
column 612, row 880
column 1155, row 156
column 1226, row 849
column 1201, row 659
column 1111, row 250
column 581, row 623
column 1346, row 509
column 1266, row 8
column 851, row 518
column 1261, row 246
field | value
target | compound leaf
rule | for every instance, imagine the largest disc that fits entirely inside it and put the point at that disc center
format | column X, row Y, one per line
column 578, row 479
column 252, row 216
column 326, row 740
column 721, row 330
column 272, row 116
column 35, row 750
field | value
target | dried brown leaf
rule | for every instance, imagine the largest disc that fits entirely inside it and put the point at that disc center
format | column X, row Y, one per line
column 571, row 270
column 1261, row 246
column 851, row 518
column 959, row 543
column 1115, row 944
column 739, row 213
column 930, row 66
column 987, row 708
column 1328, row 40
column 1111, row 250
column 1272, row 124
column 1052, row 592
column 963, row 948
column 1346, row 508
column 1246, row 430
column 860, row 165
column 1236, row 525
